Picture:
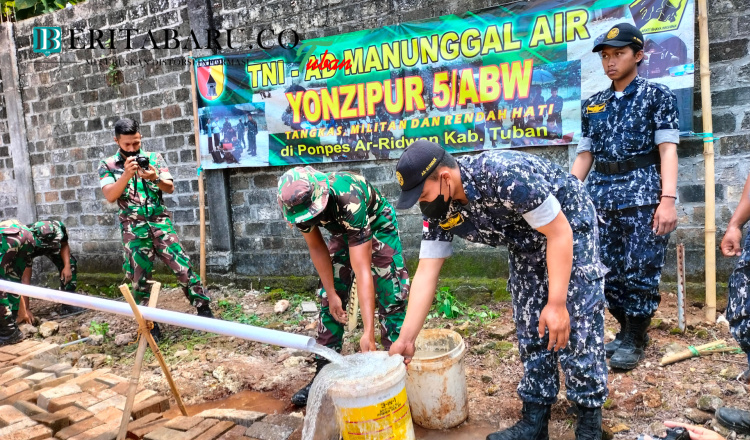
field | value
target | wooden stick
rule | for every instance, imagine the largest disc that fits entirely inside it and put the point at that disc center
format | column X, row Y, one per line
column 135, row 375
column 711, row 347
column 353, row 307
column 708, row 157
column 201, row 192
column 681, row 287
column 146, row 333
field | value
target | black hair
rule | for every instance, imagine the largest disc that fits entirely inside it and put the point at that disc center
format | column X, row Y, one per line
column 636, row 48
column 125, row 126
column 553, row 89
column 446, row 161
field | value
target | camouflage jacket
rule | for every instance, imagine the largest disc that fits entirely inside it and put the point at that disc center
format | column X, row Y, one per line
column 616, row 129
column 353, row 207
column 12, row 264
column 141, row 199
column 510, row 194
column 49, row 237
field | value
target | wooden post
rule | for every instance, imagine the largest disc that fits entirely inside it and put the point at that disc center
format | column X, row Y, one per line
column 201, row 192
column 708, row 155
column 146, row 333
column 681, row 287
column 353, row 307
column 135, row 375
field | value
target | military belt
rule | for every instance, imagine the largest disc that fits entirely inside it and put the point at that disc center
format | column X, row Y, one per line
column 624, row 166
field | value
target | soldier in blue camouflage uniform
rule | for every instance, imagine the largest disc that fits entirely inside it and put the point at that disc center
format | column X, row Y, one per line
column 51, row 240
column 738, row 305
column 16, row 247
column 546, row 219
column 631, row 129
column 145, row 224
column 364, row 243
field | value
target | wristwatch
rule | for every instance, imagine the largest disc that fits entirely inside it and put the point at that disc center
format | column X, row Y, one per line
column 157, row 180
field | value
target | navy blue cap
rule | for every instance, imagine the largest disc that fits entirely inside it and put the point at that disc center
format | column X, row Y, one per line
column 620, row 35
column 416, row 164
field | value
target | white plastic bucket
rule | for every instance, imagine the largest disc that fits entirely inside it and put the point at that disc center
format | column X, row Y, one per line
column 375, row 408
column 436, row 380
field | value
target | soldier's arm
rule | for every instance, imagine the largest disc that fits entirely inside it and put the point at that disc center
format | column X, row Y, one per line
column 361, row 261
column 26, row 277
column 66, row 274
column 666, row 137
column 166, row 184
column 321, row 258
column 584, row 158
column 730, row 244
column 113, row 191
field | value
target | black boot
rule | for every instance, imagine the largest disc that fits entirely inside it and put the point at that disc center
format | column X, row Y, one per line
column 735, row 419
column 9, row 333
column 300, row 397
column 156, row 333
column 205, row 311
column 619, row 315
column 589, row 424
column 533, row 425
column 633, row 346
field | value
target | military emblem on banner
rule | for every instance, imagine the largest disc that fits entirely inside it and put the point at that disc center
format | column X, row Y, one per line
column 653, row 16
column 210, row 74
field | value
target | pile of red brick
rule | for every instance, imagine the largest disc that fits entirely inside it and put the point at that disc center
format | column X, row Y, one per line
column 42, row 398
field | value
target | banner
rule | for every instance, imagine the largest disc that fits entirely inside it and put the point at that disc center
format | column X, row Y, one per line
column 507, row 76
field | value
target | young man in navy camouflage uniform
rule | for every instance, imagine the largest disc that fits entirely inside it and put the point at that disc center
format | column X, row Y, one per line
column 16, row 247
column 738, row 305
column 364, row 243
column 51, row 241
column 548, row 222
column 631, row 129
column 145, row 223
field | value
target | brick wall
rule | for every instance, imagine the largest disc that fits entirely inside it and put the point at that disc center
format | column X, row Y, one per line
column 69, row 109
column 8, row 198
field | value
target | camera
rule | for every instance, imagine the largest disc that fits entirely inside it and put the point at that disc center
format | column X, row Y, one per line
column 143, row 162
column 673, row 434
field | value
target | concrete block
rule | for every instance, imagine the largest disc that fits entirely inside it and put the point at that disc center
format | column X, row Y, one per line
column 236, row 433
column 199, row 429
column 41, row 351
column 107, row 431
column 268, row 431
column 27, row 396
column 148, row 406
column 21, row 346
column 7, row 392
column 165, row 433
column 111, row 379
column 52, row 382
column 117, row 401
column 137, row 431
column 53, row 393
column 109, row 414
column 58, row 368
column 78, row 428
column 5, row 357
column 9, row 415
column 77, row 372
column 285, row 420
column 236, row 416
column 23, row 424
column 38, row 365
column 217, row 430
column 28, row 408
column 36, row 432
column 144, row 395
column 81, row 400
column 94, row 386
column 75, row 414
column 14, row 373
column 54, row 421
column 182, row 423
column 38, row 378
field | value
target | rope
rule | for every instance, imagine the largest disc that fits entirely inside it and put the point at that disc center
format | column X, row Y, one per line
column 149, row 327
column 200, row 168
column 693, row 350
column 707, row 137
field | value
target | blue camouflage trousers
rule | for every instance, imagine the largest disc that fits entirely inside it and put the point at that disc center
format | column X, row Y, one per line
column 738, row 307
column 634, row 255
column 583, row 360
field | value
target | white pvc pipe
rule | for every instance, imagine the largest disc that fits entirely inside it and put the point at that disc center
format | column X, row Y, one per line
column 228, row 328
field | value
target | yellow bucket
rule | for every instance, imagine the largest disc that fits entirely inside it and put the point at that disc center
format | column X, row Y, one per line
column 375, row 408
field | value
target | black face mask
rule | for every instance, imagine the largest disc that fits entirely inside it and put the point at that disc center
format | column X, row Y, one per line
column 438, row 208
column 127, row 154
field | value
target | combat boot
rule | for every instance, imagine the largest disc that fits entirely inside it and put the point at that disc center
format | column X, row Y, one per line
column 532, row 426
column 589, row 423
column 156, row 333
column 9, row 333
column 633, row 346
column 205, row 311
column 735, row 419
column 300, row 397
column 621, row 318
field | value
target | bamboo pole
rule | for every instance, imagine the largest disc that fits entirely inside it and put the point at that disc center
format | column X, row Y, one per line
column 681, row 287
column 146, row 333
column 708, row 157
column 201, row 192
column 135, row 375
column 353, row 307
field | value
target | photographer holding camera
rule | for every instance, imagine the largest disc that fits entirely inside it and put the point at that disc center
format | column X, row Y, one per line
column 683, row 431
column 136, row 180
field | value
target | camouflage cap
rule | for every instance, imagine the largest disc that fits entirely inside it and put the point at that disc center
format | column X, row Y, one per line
column 303, row 194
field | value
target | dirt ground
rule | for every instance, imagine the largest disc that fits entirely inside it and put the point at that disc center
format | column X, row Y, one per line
column 208, row 367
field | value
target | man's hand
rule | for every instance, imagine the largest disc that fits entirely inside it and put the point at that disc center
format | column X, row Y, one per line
column 66, row 275
column 404, row 348
column 149, row 175
column 367, row 342
column 131, row 168
column 730, row 244
column 336, row 308
column 557, row 320
column 24, row 314
column 696, row 432
column 665, row 217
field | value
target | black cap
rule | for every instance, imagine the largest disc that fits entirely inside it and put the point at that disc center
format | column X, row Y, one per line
column 416, row 164
column 620, row 35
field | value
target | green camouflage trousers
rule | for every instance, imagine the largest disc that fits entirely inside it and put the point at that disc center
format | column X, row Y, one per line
column 16, row 244
column 56, row 259
column 389, row 275
column 146, row 239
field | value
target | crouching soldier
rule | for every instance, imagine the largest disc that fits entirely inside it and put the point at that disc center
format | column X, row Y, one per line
column 547, row 220
column 145, row 224
column 16, row 247
column 364, row 244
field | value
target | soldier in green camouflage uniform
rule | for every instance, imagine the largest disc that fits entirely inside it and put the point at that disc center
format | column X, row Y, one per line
column 364, row 241
column 16, row 247
column 51, row 241
column 145, row 223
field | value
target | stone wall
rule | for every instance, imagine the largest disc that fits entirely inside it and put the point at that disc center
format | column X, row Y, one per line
column 70, row 106
column 8, row 198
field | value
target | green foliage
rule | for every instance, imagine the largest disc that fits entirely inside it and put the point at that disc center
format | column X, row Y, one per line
column 23, row 9
column 447, row 306
column 233, row 312
column 99, row 329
